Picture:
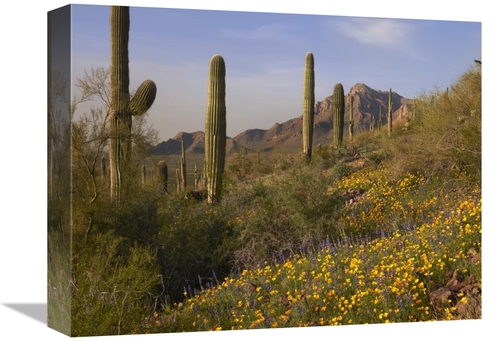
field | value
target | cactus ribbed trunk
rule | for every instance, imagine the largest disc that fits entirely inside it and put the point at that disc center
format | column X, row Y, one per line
column 120, row 118
column 379, row 117
column 195, row 178
column 351, row 119
column 182, row 168
column 121, row 107
column 338, row 115
column 215, row 128
column 143, row 177
column 389, row 114
column 308, row 106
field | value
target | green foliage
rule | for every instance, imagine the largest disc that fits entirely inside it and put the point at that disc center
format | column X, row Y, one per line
column 341, row 169
column 444, row 135
column 114, row 286
column 282, row 212
column 324, row 154
column 58, row 271
column 194, row 242
column 244, row 165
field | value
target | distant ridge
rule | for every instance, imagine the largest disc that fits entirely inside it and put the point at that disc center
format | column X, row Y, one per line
column 194, row 143
column 366, row 103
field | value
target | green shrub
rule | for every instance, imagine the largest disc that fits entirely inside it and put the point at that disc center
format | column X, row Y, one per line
column 341, row 169
column 444, row 135
column 282, row 213
column 114, row 286
column 194, row 242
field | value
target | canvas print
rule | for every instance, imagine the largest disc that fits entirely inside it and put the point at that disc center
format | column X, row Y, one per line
column 218, row 170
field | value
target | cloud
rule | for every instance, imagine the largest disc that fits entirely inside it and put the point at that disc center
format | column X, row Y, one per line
column 379, row 32
column 382, row 32
column 271, row 32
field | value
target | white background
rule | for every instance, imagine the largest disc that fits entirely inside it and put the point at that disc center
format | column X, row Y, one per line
column 23, row 166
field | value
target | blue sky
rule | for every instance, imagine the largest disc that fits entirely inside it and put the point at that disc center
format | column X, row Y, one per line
column 264, row 55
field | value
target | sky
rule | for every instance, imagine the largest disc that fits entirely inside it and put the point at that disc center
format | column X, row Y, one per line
column 24, row 150
column 265, row 54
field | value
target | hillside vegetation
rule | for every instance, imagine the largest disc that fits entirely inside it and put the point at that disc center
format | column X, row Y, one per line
column 384, row 229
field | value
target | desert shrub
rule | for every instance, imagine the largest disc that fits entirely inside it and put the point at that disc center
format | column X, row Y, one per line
column 341, row 169
column 245, row 165
column 58, row 270
column 444, row 135
column 323, row 155
column 378, row 156
column 283, row 213
column 194, row 242
column 114, row 286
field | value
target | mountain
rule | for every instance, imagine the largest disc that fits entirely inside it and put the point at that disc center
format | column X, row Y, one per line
column 194, row 143
column 367, row 102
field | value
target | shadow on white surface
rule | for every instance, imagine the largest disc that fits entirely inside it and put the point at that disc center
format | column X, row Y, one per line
column 37, row 311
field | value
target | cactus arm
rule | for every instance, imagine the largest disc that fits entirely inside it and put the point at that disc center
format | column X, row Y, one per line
column 143, row 98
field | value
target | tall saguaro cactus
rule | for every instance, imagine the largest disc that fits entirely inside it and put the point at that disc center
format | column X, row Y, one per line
column 379, row 117
column 351, row 119
column 143, row 176
column 121, row 107
column 338, row 115
column 215, row 127
column 389, row 114
column 308, row 106
column 182, row 168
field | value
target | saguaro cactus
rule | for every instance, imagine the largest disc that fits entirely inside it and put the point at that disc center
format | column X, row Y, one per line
column 182, row 168
column 389, row 114
column 143, row 176
column 338, row 115
column 163, row 176
column 196, row 177
column 215, row 127
column 121, row 107
column 379, row 117
column 351, row 119
column 308, row 106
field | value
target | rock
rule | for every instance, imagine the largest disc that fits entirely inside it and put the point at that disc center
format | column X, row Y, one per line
column 442, row 297
column 353, row 195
